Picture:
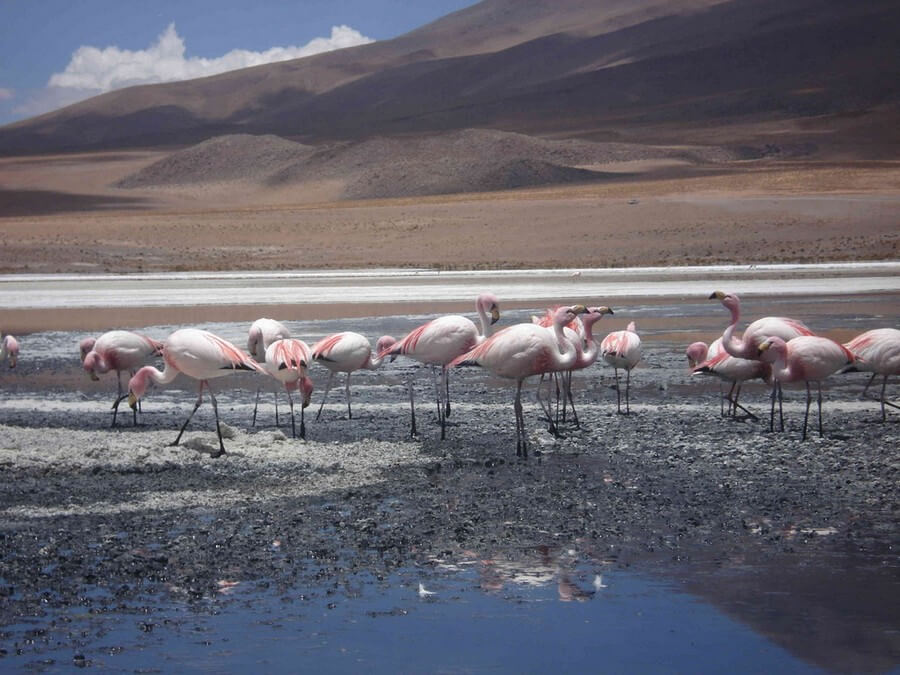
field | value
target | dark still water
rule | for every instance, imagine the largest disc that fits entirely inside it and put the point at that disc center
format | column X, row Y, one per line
column 481, row 617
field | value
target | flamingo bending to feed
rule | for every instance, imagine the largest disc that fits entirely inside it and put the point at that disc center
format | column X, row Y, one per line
column 9, row 349
column 622, row 349
column 262, row 333
column 715, row 361
column 586, row 347
column 121, row 351
column 200, row 355
column 287, row 361
column 345, row 353
column 523, row 350
column 806, row 359
column 878, row 352
column 440, row 341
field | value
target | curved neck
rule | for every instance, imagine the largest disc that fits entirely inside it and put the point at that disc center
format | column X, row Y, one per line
column 141, row 379
column 567, row 352
column 486, row 328
column 737, row 348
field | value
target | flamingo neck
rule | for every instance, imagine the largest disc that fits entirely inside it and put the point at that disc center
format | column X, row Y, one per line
column 737, row 348
column 142, row 378
column 486, row 327
column 567, row 352
column 591, row 347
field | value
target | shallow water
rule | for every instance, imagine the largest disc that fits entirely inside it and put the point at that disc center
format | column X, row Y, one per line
column 481, row 618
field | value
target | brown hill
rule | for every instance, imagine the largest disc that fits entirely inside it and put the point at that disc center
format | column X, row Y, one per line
column 640, row 70
column 471, row 160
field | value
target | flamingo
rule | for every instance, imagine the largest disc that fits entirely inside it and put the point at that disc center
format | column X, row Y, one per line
column 807, row 358
column 9, row 349
column 345, row 353
column 121, row 351
column 200, row 355
column 878, row 352
column 523, row 350
column 747, row 347
column 441, row 340
column 287, row 361
column 262, row 333
column 586, row 348
column 714, row 360
column 622, row 349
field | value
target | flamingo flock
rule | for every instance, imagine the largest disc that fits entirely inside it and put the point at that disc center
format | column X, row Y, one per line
column 777, row 350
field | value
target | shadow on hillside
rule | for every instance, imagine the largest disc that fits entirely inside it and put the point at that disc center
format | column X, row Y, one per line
column 16, row 203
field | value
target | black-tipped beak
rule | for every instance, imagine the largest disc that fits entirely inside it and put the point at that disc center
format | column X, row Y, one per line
column 132, row 400
column 495, row 315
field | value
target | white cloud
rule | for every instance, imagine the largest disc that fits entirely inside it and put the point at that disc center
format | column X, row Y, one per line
column 93, row 70
column 164, row 61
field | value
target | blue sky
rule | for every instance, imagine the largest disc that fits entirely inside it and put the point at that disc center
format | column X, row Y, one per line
column 53, row 52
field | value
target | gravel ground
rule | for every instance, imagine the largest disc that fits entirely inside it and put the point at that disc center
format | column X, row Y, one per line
column 90, row 512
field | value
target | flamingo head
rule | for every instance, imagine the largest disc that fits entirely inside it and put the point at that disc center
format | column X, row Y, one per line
column 696, row 353
column 592, row 314
column 772, row 349
column 137, row 386
column 305, row 387
column 488, row 303
column 254, row 340
column 86, row 346
column 11, row 345
column 730, row 301
column 384, row 343
column 91, row 364
column 565, row 315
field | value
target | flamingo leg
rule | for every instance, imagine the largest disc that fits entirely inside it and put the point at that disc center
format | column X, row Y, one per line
column 545, row 407
column 255, row 406
column 806, row 416
column 446, row 390
column 277, row 423
column 119, row 398
column 215, row 406
column 571, row 401
column 628, row 391
column 618, row 393
column 819, row 401
column 866, row 388
column 291, row 404
column 521, row 444
column 412, row 409
column 196, row 405
column 347, row 392
column 325, row 395
column 722, row 398
column 302, row 421
column 730, row 399
column 772, row 409
column 738, row 405
column 780, row 406
column 883, row 387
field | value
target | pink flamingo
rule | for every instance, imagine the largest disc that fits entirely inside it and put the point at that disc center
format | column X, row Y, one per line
column 807, row 358
column 747, row 347
column 622, row 349
column 716, row 361
column 345, row 353
column 438, row 342
column 586, row 347
column 121, row 351
column 200, row 355
column 878, row 352
column 262, row 333
column 287, row 361
column 521, row 351
column 9, row 349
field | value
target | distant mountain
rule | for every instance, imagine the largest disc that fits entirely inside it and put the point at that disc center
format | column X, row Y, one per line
column 646, row 71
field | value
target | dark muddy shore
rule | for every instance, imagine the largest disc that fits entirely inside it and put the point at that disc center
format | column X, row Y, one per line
column 795, row 539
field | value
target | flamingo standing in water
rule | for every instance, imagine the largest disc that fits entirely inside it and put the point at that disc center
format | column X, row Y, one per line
column 200, row 355
column 287, row 361
column 262, row 333
column 345, row 353
column 523, row 350
column 878, row 352
column 438, row 342
column 806, row 359
column 121, row 351
column 9, row 349
column 714, row 360
column 622, row 349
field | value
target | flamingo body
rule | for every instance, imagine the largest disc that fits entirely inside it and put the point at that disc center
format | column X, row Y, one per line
column 747, row 347
column 878, row 352
column 287, row 360
column 622, row 349
column 807, row 358
column 200, row 355
column 9, row 349
column 121, row 351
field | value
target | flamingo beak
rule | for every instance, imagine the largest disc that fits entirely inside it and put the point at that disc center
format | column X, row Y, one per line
column 716, row 295
column 94, row 377
column 579, row 309
column 606, row 310
column 132, row 400
column 12, row 360
column 763, row 347
column 495, row 314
